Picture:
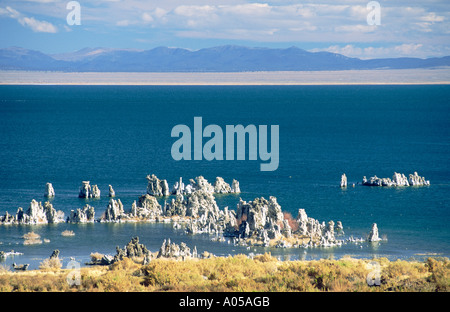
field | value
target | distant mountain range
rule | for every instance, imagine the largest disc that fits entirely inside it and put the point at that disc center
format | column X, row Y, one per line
column 227, row 58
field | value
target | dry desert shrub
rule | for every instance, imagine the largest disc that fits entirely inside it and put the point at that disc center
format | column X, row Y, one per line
column 238, row 274
column 50, row 264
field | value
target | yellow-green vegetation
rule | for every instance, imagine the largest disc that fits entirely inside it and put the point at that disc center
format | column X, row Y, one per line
column 240, row 274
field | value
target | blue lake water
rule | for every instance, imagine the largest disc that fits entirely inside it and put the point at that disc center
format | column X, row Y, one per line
column 118, row 134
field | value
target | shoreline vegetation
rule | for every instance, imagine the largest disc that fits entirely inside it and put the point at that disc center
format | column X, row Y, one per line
column 175, row 268
column 439, row 75
column 239, row 273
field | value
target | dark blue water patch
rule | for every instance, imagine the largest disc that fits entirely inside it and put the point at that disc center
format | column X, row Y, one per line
column 118, row 134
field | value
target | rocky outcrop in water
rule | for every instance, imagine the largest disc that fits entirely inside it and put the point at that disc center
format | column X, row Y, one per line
column 133, row 250
column 52, row 215
column 398, row 179
column 55, row 254
column 221, row 187
column 147, row 208
column 258, row 222
column 36, row 214
column 172, row 250
column 373, row 235
column 262, row 222
column 7, row 218
column 157, row 187
column 114, row 211
column 259, row 214
column 112, row 193
column 201, row 184
column 88, row 191
column 85, row 215
column 95, row 191
column 200, row 210
column 319, row 233
column 235, row 187
column 20, row 267
column 180, row 189
column 343, row 181
column 49, row 191
column 193, row 205
column 416, row 180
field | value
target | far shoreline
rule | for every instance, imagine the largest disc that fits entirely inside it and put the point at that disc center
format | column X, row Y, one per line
column 437, row 76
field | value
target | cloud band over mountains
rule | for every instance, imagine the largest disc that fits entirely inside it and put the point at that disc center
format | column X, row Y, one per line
column 408, row 28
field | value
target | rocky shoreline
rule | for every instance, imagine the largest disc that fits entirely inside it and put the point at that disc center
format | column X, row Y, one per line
column 193, row 208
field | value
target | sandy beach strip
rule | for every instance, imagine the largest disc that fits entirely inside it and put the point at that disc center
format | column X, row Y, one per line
column 344, row 77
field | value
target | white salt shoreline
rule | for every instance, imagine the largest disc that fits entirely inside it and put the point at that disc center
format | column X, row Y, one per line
column 345, row 77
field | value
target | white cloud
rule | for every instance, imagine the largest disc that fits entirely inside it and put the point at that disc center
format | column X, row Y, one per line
column 37, row 26
column 123, row 23
column 194, row 10
column 339, row 24
column 147, row 18
column 319, row 22
column 402, row 50
column 359, row 28
column 43, row 1
column 408, row 49
column 250, row 9
column 159, row 12
column 30, row 22
column 432, row 17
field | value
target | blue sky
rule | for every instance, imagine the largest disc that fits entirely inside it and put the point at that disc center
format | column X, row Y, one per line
column 407, row 28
